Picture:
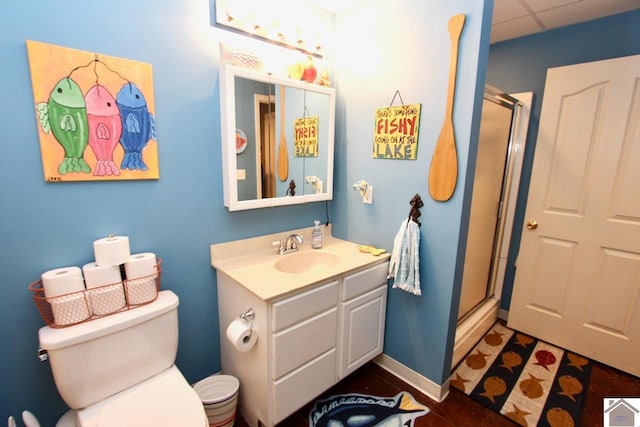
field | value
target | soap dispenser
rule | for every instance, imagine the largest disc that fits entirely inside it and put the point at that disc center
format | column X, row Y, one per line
column 316, row 235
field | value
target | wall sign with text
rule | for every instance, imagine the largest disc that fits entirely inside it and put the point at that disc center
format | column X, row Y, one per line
column 396, row 132
column 305, row 137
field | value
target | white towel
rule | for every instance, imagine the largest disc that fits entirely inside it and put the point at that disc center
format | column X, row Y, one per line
column 404, row 266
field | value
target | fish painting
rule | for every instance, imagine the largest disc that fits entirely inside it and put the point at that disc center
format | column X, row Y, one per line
column 523, row 340
column 359, row 410
column 510, row 359
column 494, row 338
column 558, row 417
column 493, row 386
column 477, row 361
column 138, row 126
column 570, row 386
column 65, row 116
column 105, row 128
column 577, row 361
column 531, row 387
column 544, row 358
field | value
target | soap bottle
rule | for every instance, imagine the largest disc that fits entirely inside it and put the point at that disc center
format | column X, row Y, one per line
column 316, row 235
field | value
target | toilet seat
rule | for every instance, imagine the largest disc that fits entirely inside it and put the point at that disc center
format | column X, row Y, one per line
column 164, row 400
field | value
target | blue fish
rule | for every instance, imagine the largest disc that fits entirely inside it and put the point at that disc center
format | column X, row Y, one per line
column 359, row 410
column 138, row 126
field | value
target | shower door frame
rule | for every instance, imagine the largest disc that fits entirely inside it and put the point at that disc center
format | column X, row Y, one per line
column 477, row 322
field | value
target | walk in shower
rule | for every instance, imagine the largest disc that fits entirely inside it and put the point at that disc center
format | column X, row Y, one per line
column 503, row 130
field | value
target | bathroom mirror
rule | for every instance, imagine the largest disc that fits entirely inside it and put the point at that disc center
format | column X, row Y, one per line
column 260, row 113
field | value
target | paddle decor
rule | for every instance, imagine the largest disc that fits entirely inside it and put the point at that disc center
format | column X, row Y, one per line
column 443, row 172
column 283, row 155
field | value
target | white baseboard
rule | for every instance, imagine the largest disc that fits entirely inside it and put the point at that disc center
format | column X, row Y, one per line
column 423, row 384
column 503, row 314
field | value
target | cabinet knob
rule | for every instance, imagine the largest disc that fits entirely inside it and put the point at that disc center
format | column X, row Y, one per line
column 532, row 224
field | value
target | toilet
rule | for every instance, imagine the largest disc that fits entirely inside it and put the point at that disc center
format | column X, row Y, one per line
column 119, row 370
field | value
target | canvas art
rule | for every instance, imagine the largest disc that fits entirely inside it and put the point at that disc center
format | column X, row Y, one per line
column 95, row 115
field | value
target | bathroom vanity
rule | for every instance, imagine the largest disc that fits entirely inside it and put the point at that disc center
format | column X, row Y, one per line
column 319, row 317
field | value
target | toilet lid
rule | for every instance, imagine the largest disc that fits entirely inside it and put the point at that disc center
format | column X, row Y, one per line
column 163, row 400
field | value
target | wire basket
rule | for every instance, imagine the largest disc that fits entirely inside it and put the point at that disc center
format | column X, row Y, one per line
column 82, row 306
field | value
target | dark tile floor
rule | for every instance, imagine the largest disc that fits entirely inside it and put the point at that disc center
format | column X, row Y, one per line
column 460, row 410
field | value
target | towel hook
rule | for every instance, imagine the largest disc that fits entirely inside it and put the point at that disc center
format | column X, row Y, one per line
column 414, row 213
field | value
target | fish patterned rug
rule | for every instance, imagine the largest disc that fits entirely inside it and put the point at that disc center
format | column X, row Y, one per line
column 362, row 410
column 525, row 379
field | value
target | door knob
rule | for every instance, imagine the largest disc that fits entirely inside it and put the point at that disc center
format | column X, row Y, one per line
column 532, row 224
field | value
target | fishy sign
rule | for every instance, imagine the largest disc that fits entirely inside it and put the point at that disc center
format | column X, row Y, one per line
column 396, row 132
column 305, row 137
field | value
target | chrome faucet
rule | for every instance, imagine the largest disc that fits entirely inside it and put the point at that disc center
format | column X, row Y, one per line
column 289, row 244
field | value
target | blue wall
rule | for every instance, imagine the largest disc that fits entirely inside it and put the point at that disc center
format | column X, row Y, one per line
column 520, row 65
column 404, row 46
column 49, row 225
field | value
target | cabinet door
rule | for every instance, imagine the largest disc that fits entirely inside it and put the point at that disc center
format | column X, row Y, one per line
column 363, row 329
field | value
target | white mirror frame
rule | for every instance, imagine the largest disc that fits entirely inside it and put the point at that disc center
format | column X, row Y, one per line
column 228, row 73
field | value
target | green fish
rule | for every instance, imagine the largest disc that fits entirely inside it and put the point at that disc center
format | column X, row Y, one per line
column 65, row 116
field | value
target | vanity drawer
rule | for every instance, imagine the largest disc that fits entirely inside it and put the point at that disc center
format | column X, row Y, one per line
column 295, row 390
column 303, row 342
column 304, row 305
column 364, row 281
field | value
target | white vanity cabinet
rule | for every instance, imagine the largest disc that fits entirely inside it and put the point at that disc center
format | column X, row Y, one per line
column 308, row 340
column 363, row 306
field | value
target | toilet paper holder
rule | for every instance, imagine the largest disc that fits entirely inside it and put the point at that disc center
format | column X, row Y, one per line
column 249, row 315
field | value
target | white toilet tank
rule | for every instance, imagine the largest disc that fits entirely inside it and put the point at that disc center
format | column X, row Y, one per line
column 94, row 360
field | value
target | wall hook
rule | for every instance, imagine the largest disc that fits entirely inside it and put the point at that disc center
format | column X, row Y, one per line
column 361, row 186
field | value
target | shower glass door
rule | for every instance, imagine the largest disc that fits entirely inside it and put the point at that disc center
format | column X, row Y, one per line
column 490, row 186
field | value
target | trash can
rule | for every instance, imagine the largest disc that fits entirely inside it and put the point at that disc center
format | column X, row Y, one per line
column 219, row 396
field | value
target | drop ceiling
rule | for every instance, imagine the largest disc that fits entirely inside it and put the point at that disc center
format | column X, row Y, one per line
column 518, row 18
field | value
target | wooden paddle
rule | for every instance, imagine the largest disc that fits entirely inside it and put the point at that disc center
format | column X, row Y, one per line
column 443, row 172
column 283, row 155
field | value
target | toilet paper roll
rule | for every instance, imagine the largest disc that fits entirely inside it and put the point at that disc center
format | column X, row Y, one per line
column 141, row 265
column 69, row 309
column 96, row 275
column 107, row 299
column 61, row 281
column 242, row 335
column 112, row 250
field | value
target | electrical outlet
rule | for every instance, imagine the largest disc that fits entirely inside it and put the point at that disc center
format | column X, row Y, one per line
column 368, row 195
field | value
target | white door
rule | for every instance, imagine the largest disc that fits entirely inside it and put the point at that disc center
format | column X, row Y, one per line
column 577, row 278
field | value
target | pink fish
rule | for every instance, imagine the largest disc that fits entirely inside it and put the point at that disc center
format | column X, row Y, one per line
column 105, row 128
column 545, row 358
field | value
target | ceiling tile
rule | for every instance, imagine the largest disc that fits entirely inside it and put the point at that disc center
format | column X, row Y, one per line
column 506, row 10
column 585, row 10
column 514, row 28
column 539, row 5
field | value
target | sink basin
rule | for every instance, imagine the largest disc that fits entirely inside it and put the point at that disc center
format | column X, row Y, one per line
column 306, row 262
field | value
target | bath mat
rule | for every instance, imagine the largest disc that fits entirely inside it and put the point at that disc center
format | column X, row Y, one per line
column 525, row 379
column 361, row 410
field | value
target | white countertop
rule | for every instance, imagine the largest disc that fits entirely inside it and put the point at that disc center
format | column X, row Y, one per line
column 250, row 262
